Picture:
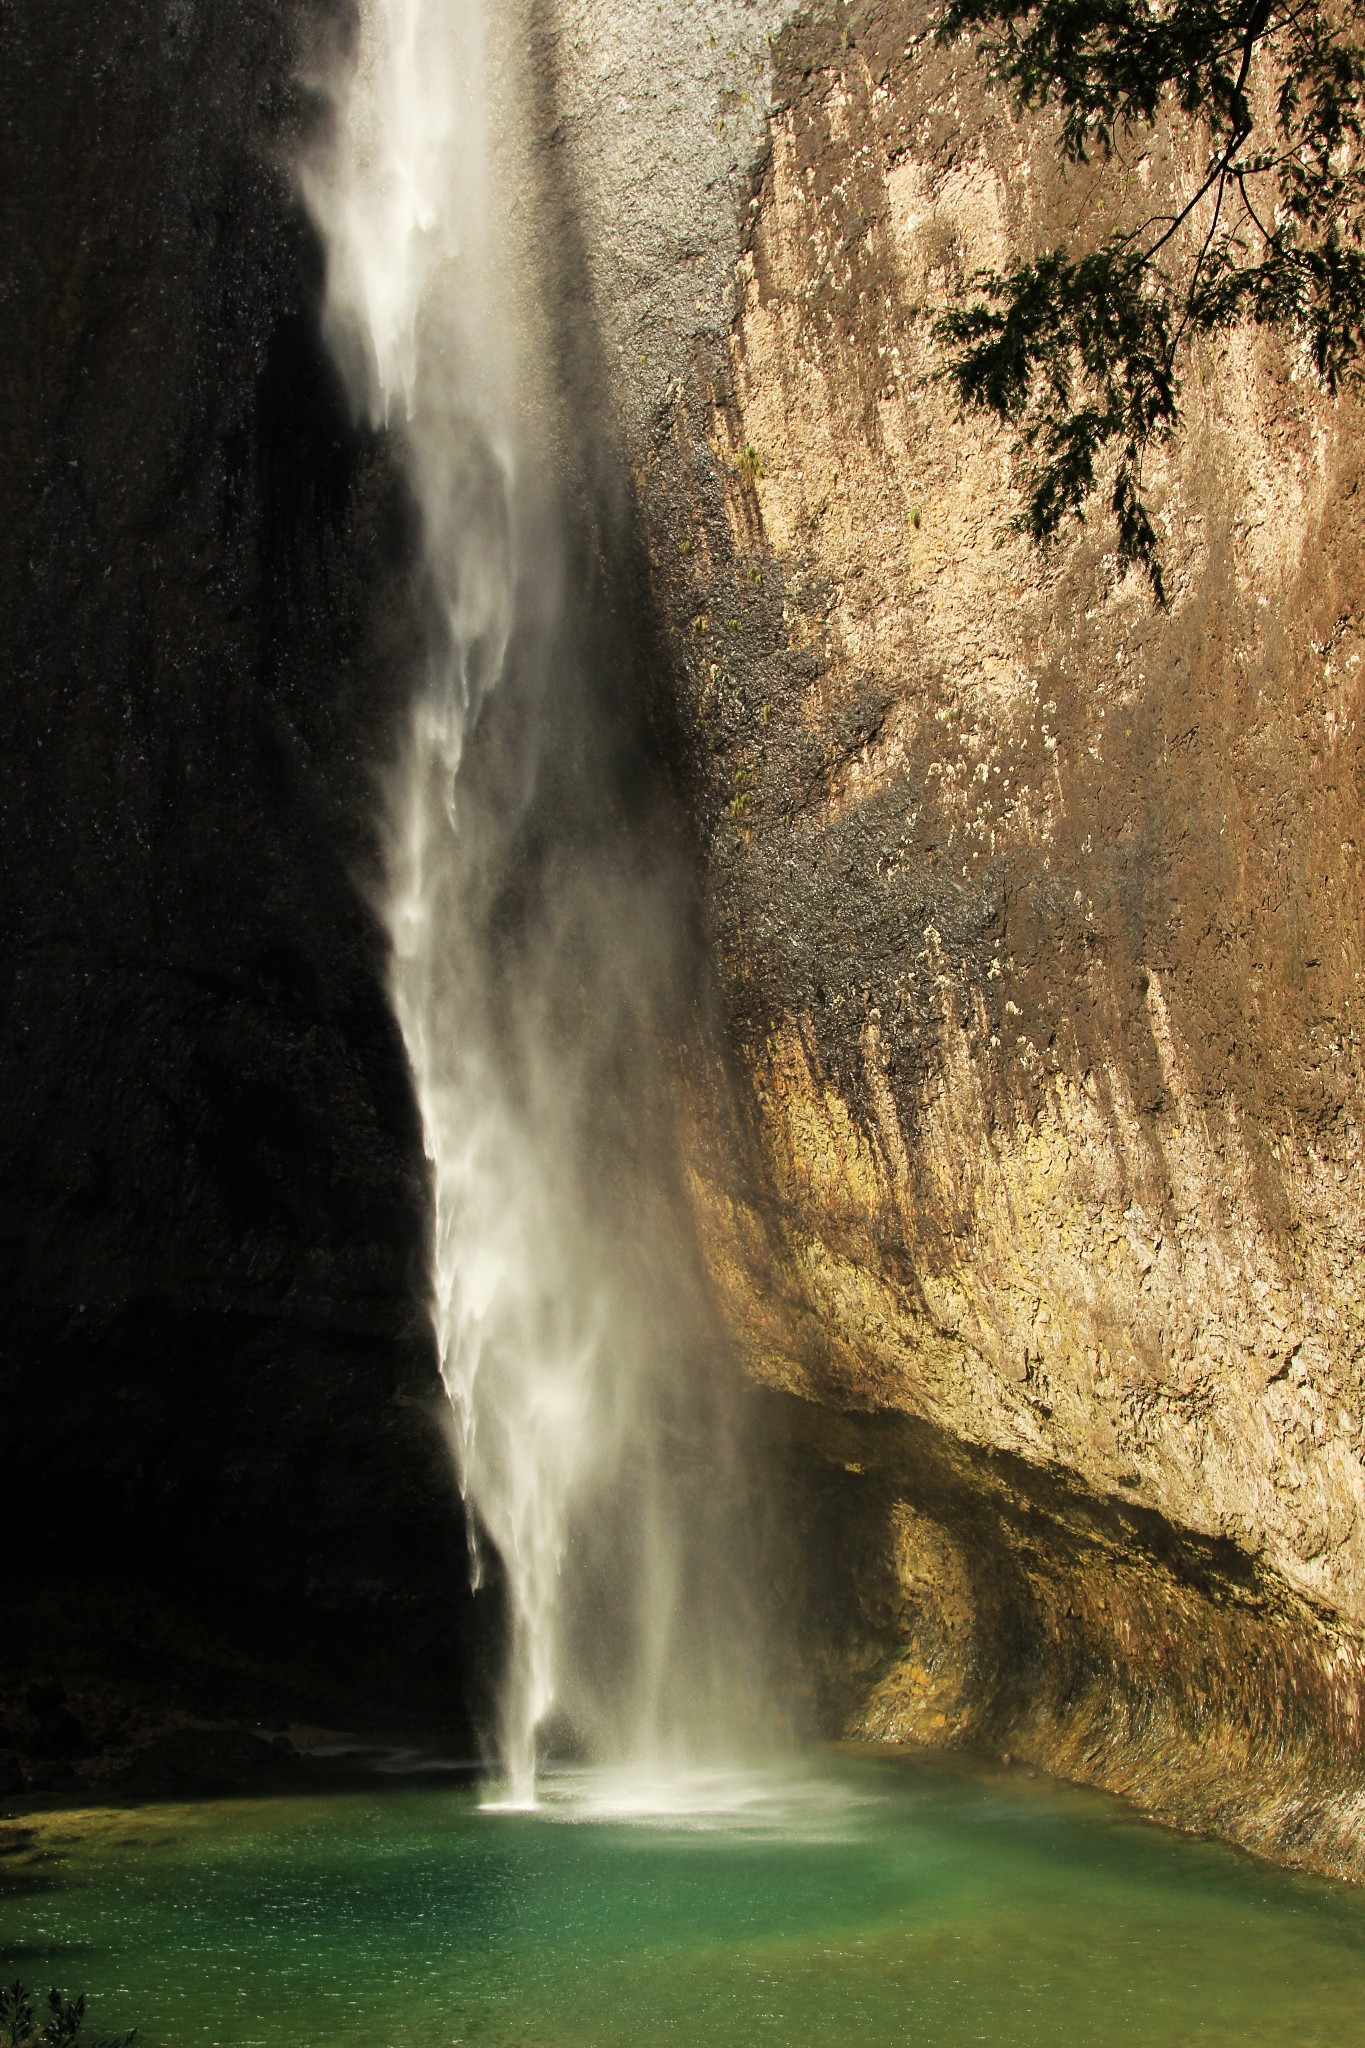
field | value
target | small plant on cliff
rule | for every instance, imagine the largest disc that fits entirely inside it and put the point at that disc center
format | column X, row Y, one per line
column 22, row 2025
column 1080, row 352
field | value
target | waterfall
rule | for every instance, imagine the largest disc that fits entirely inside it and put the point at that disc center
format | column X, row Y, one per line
column 535, row 906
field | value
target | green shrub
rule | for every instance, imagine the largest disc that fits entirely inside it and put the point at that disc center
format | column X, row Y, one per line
column 23, row 2026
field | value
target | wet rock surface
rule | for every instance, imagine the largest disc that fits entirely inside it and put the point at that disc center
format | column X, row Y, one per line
column 954, row 1598
column 151, row 1758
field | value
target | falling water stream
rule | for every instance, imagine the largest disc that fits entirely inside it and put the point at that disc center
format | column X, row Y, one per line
column 541, row 980
column 535, row 911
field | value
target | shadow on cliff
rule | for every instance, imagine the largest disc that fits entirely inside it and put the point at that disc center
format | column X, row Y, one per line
column 218, row 1385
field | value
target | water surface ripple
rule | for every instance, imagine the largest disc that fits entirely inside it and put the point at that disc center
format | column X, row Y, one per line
column 861, row 1901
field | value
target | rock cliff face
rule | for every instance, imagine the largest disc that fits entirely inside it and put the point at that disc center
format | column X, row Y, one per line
column 216, row 1378
column 1037, row 918
column 1029, row 1172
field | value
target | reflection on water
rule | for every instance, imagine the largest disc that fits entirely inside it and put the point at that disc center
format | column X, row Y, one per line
column 867, row 1902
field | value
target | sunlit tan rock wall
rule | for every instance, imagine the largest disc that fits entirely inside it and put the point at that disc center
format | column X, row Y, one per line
column 1037, row 910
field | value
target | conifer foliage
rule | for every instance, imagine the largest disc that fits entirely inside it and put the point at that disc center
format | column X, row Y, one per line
column 1081, row 352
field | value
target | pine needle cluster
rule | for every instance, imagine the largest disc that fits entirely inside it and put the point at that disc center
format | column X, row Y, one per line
column 1081, row 354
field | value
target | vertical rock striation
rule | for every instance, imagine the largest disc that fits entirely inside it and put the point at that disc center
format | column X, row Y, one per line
column 1037, row 921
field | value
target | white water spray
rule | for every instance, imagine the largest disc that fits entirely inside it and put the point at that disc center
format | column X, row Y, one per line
column 533, row 942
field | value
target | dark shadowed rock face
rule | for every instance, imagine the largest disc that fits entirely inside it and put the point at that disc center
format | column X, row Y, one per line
column 216, row 1371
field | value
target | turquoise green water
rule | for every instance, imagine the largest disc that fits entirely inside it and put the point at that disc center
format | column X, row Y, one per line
column 873, row 1903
